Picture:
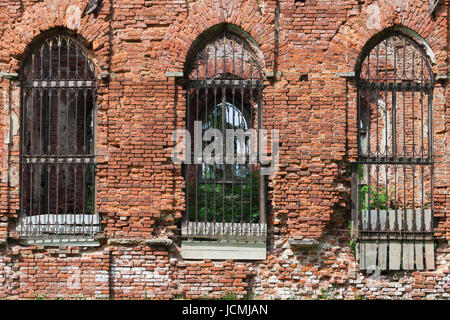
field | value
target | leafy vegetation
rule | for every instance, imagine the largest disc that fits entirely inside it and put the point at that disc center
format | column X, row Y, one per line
column 377, row 199
column 226, row 201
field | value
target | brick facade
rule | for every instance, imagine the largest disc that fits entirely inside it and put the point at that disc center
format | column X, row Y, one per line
column 137, row 46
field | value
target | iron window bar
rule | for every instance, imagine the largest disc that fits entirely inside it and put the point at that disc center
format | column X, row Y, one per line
column 57, row 161
column 224, row 91
column 394, row 169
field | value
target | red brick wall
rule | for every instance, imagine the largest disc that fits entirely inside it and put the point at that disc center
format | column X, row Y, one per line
column 139, row 190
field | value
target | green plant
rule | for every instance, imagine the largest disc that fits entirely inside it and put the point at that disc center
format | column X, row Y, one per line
column 325, row 295
column 38, row 297
column 378, row 199
column 352, row 243
column 361, row 171
column 229, row 296
column 223, row 201
column 292, row 296
column 353, row 246
column 360, row 297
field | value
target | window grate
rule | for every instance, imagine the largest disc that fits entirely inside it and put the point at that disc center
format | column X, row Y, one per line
column 394, row 171
column 57, row 162
column 224, row 91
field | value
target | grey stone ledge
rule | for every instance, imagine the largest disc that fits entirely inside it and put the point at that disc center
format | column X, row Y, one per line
column 303, row 243
column 174, row 74
column 347, row 75
column 9, row 75
column 158, row 242
column 271, row 74
column 62, row 242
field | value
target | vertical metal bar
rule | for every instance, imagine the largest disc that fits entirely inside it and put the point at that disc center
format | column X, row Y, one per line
column 224, row 56
column 66, row 172
column 405, row 225
column 262, row 203
column 430, row 151
column 48, row 185
column 394, row 123
column 430, row 124
column 75, row 189
column 23, row 211
column 31, row 132
column 39, row 194
column 84, row 194
column 40, row 154
column 215, row 164
column 413, row 147
column 41, row 119
column 58, row 91
column 50, row 59
column 77, row 75
column 422, row 146
column 23, row 205
column 93, row 193
column 245, row 153
column 369, row 174
column 58, row 73
column 224, row 171
column 41, row 70
column 68, row 45
column 233, row 163
column 187, row 166
column 357, row 197
column 396, row 222
column 85, row 151
column 30, row 210
column 67, row 119
column 196, row 165
column 57, row 199
column 386, row 174
column 205, row 165
column 76, row 149
column 49, row 115
column 252, row 124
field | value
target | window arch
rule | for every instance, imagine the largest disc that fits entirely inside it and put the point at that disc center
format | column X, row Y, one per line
column 395, row 155
column 224, row 91
column 57, row 150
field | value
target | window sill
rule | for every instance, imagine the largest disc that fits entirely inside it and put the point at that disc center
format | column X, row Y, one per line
column 223, row 250
column 63, row 241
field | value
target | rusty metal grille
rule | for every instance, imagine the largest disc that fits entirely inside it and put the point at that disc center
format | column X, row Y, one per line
column 224, row 91
column 57, row 162
column 394, row 173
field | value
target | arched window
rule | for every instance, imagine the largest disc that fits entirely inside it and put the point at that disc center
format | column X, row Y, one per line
column 224, row 198
column 57, row 180
column 395, row 156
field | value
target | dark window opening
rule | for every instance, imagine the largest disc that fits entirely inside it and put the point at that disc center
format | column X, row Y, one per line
column 57, row 180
